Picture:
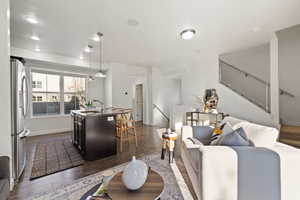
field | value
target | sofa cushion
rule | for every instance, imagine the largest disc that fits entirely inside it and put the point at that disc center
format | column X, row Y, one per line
column 261, row 136
column 237, row 137
column 203, row 133
column 232, row 120
column 4, row 189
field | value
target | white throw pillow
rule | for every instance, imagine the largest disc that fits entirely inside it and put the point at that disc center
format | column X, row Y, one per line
column 231, row 120
column 261, row 136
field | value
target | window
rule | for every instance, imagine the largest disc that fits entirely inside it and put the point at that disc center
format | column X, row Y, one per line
column 44, row 87
column 36, row 84
column 74, row 93
column 54, row 94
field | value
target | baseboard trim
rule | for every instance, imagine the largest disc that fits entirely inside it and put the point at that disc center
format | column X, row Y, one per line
column 49, row 131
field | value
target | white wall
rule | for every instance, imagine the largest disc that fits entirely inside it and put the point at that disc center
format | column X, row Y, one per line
column 122, row 85
column 198, row 78
column 108, row 88
column 5, row 117
column 289, row 70
column 255, row 60
column 95, row 89
column 166, row 94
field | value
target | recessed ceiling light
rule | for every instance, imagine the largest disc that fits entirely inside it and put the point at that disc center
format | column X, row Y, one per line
column 31, row 19
column 187, row 34
column 35, row 37
column 37, row 49
column 88, row 49
column 132, row 22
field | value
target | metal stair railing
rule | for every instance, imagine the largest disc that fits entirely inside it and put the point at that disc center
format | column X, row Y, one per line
column 163, row 114
column 247, row 85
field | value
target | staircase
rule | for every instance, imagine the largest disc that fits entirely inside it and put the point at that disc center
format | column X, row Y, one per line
column 247, row 85
column 290, row 135
column 257, row 91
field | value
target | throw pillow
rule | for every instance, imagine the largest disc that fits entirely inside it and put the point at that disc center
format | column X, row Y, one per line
column 235, row 138
column 203, row 133
column 261, row 136
column 219, row 132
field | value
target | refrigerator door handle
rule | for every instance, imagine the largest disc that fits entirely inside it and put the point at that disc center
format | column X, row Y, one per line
column 25, row 101
column 24, row 134
column 27, row 97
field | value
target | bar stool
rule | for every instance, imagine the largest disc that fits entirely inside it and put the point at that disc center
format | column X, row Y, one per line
column 126, row 128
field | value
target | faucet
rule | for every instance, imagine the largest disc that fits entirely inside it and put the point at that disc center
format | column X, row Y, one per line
column 101, row 104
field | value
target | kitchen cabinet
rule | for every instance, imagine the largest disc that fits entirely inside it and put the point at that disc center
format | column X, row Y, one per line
column 94, row 134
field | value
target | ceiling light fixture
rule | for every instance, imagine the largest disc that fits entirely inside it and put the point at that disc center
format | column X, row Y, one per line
column 88, row 49
column 132, row 22
column 31, row 19
column 100, row 73
column 37, row 49
column 187, row 34
column 96, row 38
column 35, row 37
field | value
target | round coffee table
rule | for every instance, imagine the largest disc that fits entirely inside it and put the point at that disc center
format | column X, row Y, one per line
column 117, row 191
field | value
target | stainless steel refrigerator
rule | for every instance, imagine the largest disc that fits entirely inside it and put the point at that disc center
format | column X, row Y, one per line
column 19, row 111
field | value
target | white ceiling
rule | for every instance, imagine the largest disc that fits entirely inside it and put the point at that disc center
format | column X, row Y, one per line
column 221, row 26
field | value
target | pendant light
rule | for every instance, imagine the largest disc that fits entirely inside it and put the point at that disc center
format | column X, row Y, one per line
column 89, row 50
column 100, row 73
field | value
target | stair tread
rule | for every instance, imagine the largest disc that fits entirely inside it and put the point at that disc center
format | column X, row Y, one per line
column 290, row 129
column 291, row 142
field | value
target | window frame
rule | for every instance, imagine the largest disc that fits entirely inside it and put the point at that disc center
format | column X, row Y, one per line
column 61, row 91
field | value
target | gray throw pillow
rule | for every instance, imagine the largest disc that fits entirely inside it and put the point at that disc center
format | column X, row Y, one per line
column 235, row 138
column 226, row 128
column 203, row 133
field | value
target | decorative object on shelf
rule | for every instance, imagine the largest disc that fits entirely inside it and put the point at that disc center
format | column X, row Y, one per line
column 211, row 101
column 135, row 174
column 203, row 118
column 101, row 192
column 169, row 139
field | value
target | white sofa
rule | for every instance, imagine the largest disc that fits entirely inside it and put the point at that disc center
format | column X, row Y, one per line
column 268, row 171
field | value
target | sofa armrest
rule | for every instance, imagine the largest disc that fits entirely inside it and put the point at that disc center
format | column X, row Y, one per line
column 190, row 144
column 4, row 167
column 186, row 132
column 217, row 166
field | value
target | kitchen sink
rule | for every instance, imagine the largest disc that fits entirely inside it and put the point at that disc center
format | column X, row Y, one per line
column 89, row 112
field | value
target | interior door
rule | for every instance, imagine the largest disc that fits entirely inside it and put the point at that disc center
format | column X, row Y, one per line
column 139, row 102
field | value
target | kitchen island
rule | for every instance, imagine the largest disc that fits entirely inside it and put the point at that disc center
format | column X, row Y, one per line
column 94, row 132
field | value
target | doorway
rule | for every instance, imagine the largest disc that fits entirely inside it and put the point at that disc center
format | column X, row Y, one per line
column 139, row 102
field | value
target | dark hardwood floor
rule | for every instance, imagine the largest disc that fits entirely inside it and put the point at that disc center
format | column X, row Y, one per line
column 148, row 142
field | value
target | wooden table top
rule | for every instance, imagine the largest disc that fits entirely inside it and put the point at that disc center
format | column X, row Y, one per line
column 151, row 189
column 117, row 191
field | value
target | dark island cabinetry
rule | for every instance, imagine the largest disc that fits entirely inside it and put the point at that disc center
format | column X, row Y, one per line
column 78, row 136
column 94, row 134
